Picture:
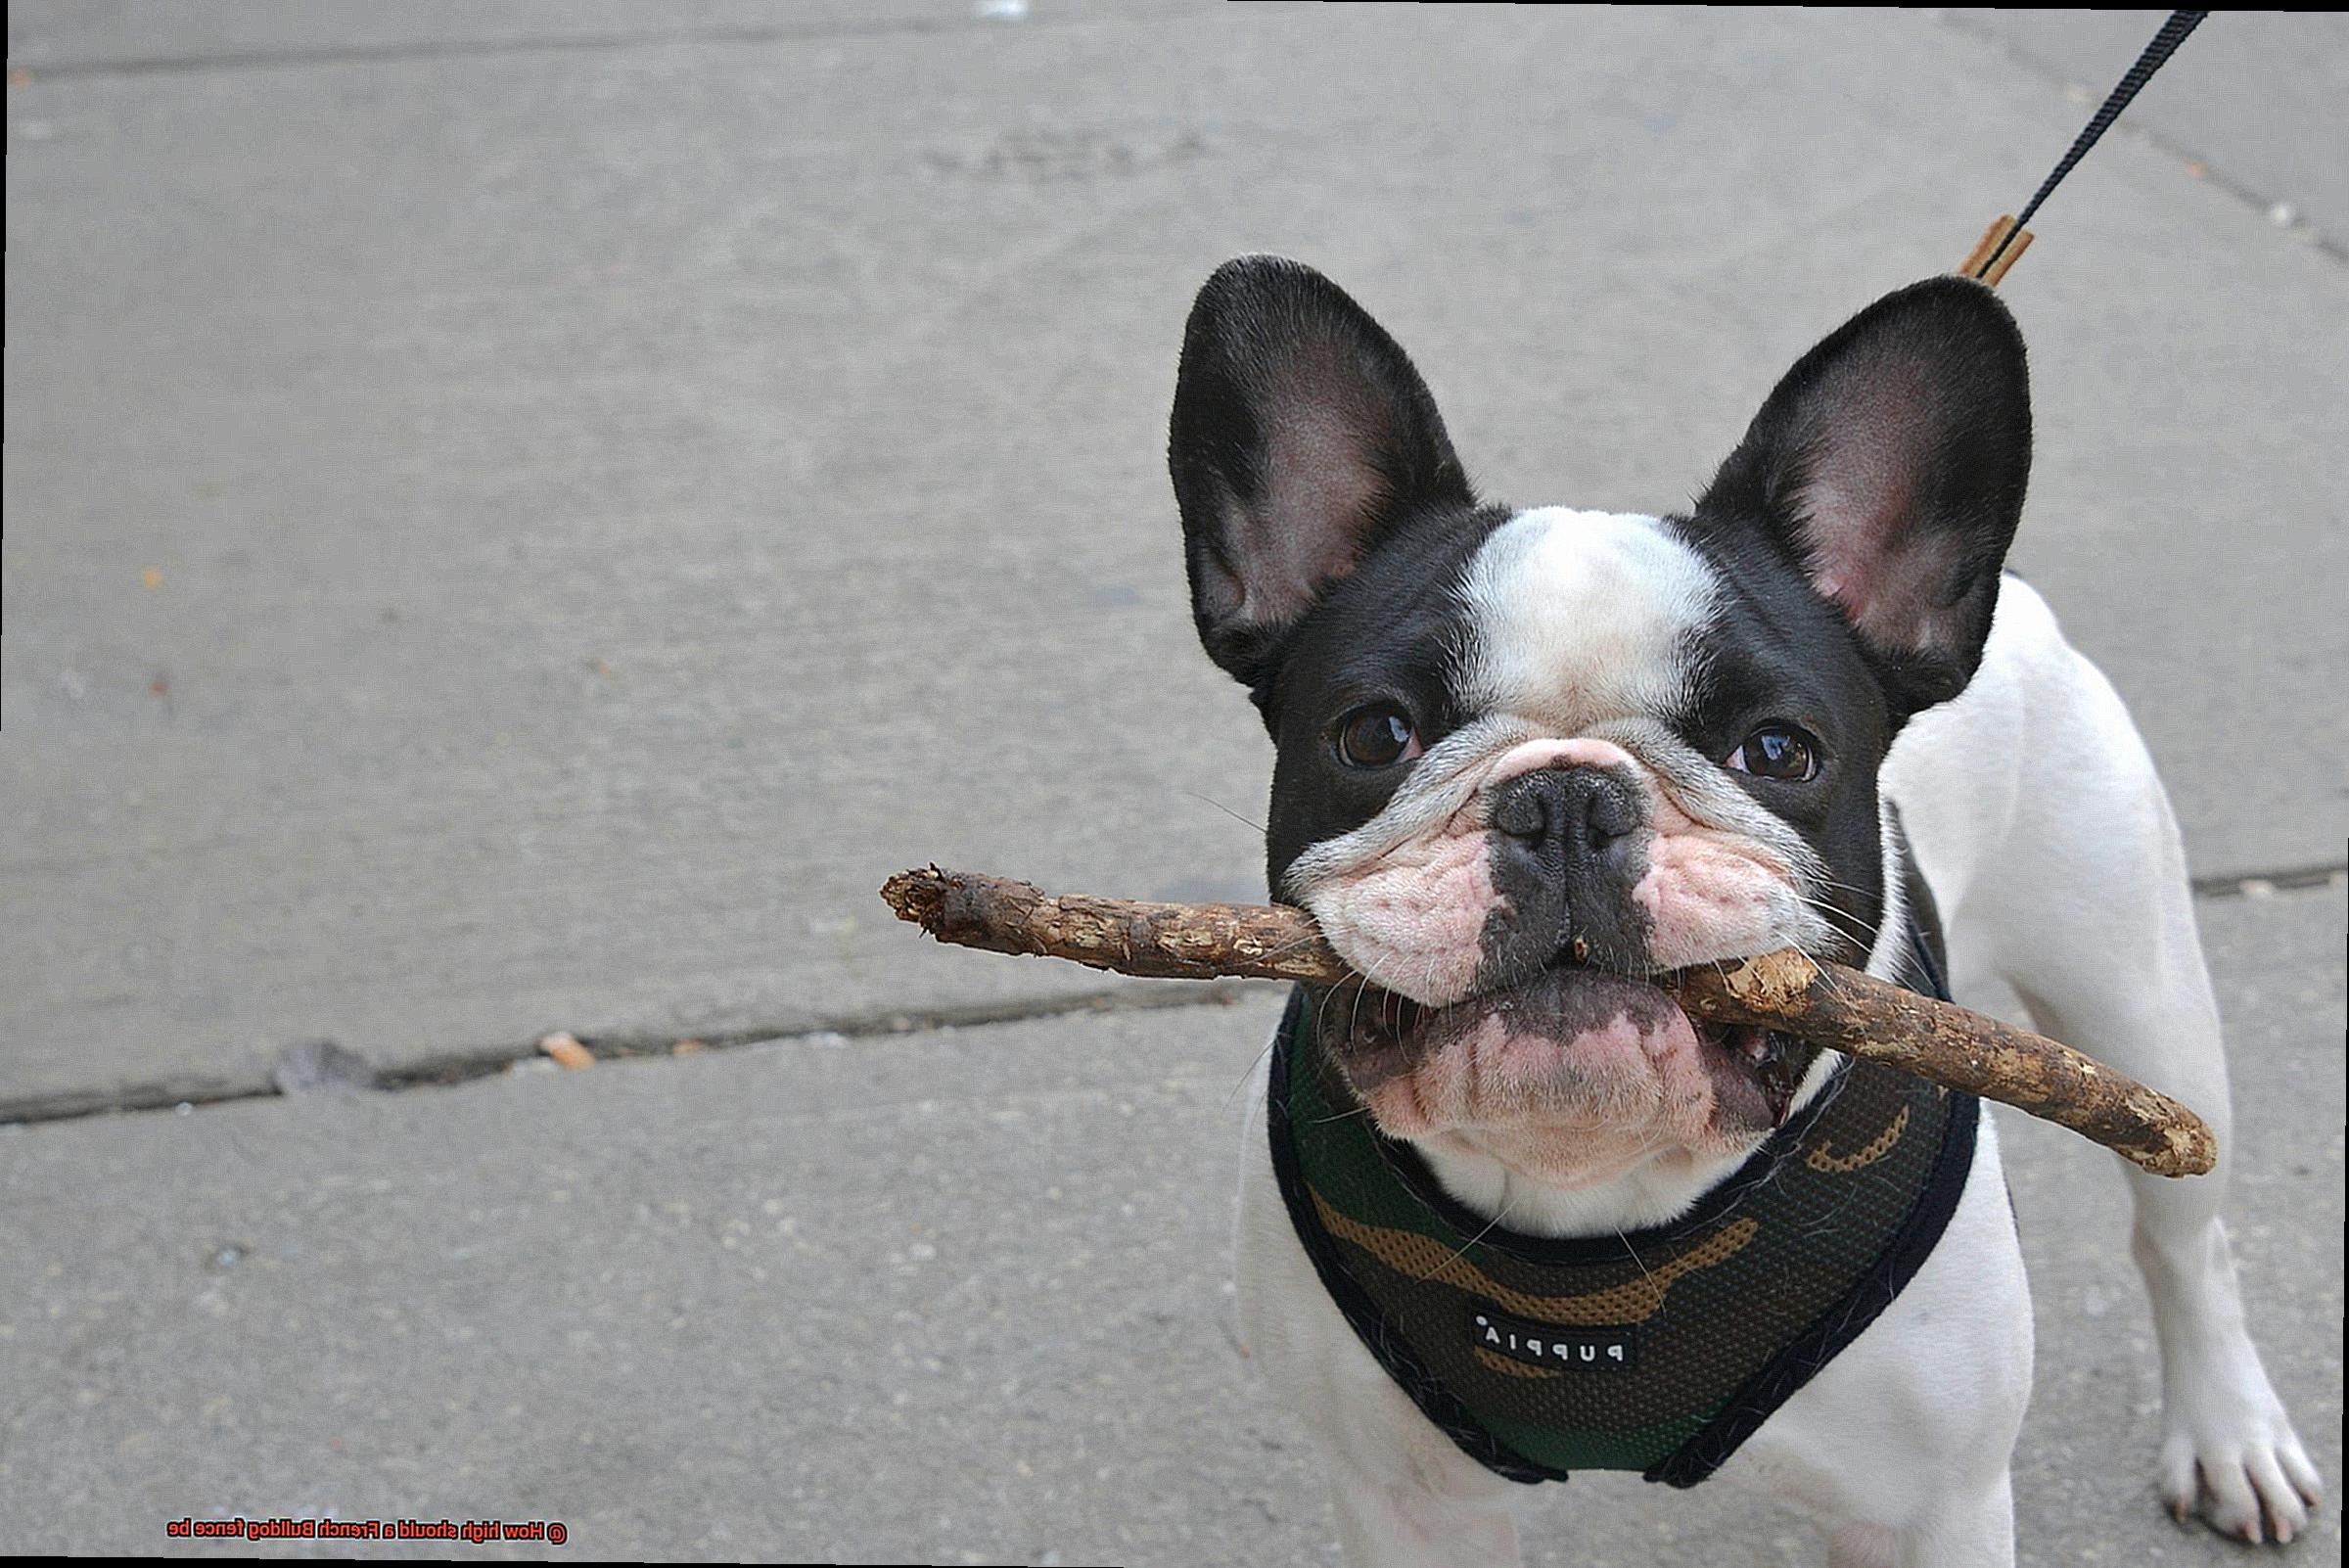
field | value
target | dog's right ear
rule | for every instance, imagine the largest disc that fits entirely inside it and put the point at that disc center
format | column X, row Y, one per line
column 1300, row 435
column 1889, row 466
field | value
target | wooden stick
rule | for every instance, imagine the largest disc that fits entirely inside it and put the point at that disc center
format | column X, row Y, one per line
column 1163, row 941
column 1850, row 1011
column 1827, row 1005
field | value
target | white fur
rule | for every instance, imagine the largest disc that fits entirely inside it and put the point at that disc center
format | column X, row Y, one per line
column 2036, row 815
column 1611, row 596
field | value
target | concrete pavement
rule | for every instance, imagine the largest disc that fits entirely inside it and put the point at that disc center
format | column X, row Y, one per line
column 523, row 514
column 526, row 537
column 953, row 1298
column 2247, row 100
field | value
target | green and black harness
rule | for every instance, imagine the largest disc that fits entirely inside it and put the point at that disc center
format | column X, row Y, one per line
column 1659, row 1350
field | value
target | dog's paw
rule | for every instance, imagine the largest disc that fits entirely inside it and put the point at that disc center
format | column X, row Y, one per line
column 2230, row 1455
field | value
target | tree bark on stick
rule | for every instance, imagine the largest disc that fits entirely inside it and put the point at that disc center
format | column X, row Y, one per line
column 1827, row 1005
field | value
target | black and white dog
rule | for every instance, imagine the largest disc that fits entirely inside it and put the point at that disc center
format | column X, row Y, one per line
column 1527, row 756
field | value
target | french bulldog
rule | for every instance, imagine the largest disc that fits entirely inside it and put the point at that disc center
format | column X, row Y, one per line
column 1526, row 758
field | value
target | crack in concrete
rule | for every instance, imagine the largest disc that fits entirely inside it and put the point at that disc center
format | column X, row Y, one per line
column 2261, row 884
column 464, row 1064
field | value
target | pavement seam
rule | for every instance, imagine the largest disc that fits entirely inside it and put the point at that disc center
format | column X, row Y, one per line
column 2261, row 884
column 463, row 1066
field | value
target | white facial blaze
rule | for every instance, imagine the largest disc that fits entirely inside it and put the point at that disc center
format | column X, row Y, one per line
column 1581, row 618
column 1587, row 624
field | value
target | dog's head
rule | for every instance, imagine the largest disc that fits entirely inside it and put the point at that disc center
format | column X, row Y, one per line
column 1526, row 756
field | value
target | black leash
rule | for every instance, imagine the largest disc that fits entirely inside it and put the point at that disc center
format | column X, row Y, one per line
column 2158, row 52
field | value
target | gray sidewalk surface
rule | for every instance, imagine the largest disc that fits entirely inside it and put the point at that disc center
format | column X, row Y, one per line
column 958, row 1299
column 523, row 514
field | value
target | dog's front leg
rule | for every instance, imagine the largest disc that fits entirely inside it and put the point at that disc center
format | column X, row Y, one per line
column 1404, row 1525
column 1970, row 1532
column 2078, row 897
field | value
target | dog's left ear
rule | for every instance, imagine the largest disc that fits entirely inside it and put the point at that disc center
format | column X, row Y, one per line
column 1300, row 435
column 1890, row 465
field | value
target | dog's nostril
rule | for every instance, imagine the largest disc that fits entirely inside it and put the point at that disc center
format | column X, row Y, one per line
column 1522, row 813
column 1612, row 812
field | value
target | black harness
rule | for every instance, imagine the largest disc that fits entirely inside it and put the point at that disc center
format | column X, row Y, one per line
column 1659, row 1350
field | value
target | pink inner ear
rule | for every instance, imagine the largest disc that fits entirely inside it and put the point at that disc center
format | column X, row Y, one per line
column 1323, row 489
column 1860, row 495
column 1321, row 493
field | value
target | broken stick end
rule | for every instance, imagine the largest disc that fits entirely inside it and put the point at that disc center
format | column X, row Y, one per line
column 916, row 895
column 2188, row 1148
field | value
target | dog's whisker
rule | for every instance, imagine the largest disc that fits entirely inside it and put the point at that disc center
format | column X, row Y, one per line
column 1226, row 810
column 1461, row 1250
column 1848, row 924
column 1251, row 1072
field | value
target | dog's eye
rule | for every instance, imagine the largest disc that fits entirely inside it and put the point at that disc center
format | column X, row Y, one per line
column 1377, row 736
column 1777, row 751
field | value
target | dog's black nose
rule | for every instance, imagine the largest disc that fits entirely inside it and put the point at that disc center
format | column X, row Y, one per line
column 1567, row 816
column 1565, row 857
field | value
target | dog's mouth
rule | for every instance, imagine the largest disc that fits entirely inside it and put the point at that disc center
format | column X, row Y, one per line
column 1573, row 1047
column 1774, row 1063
